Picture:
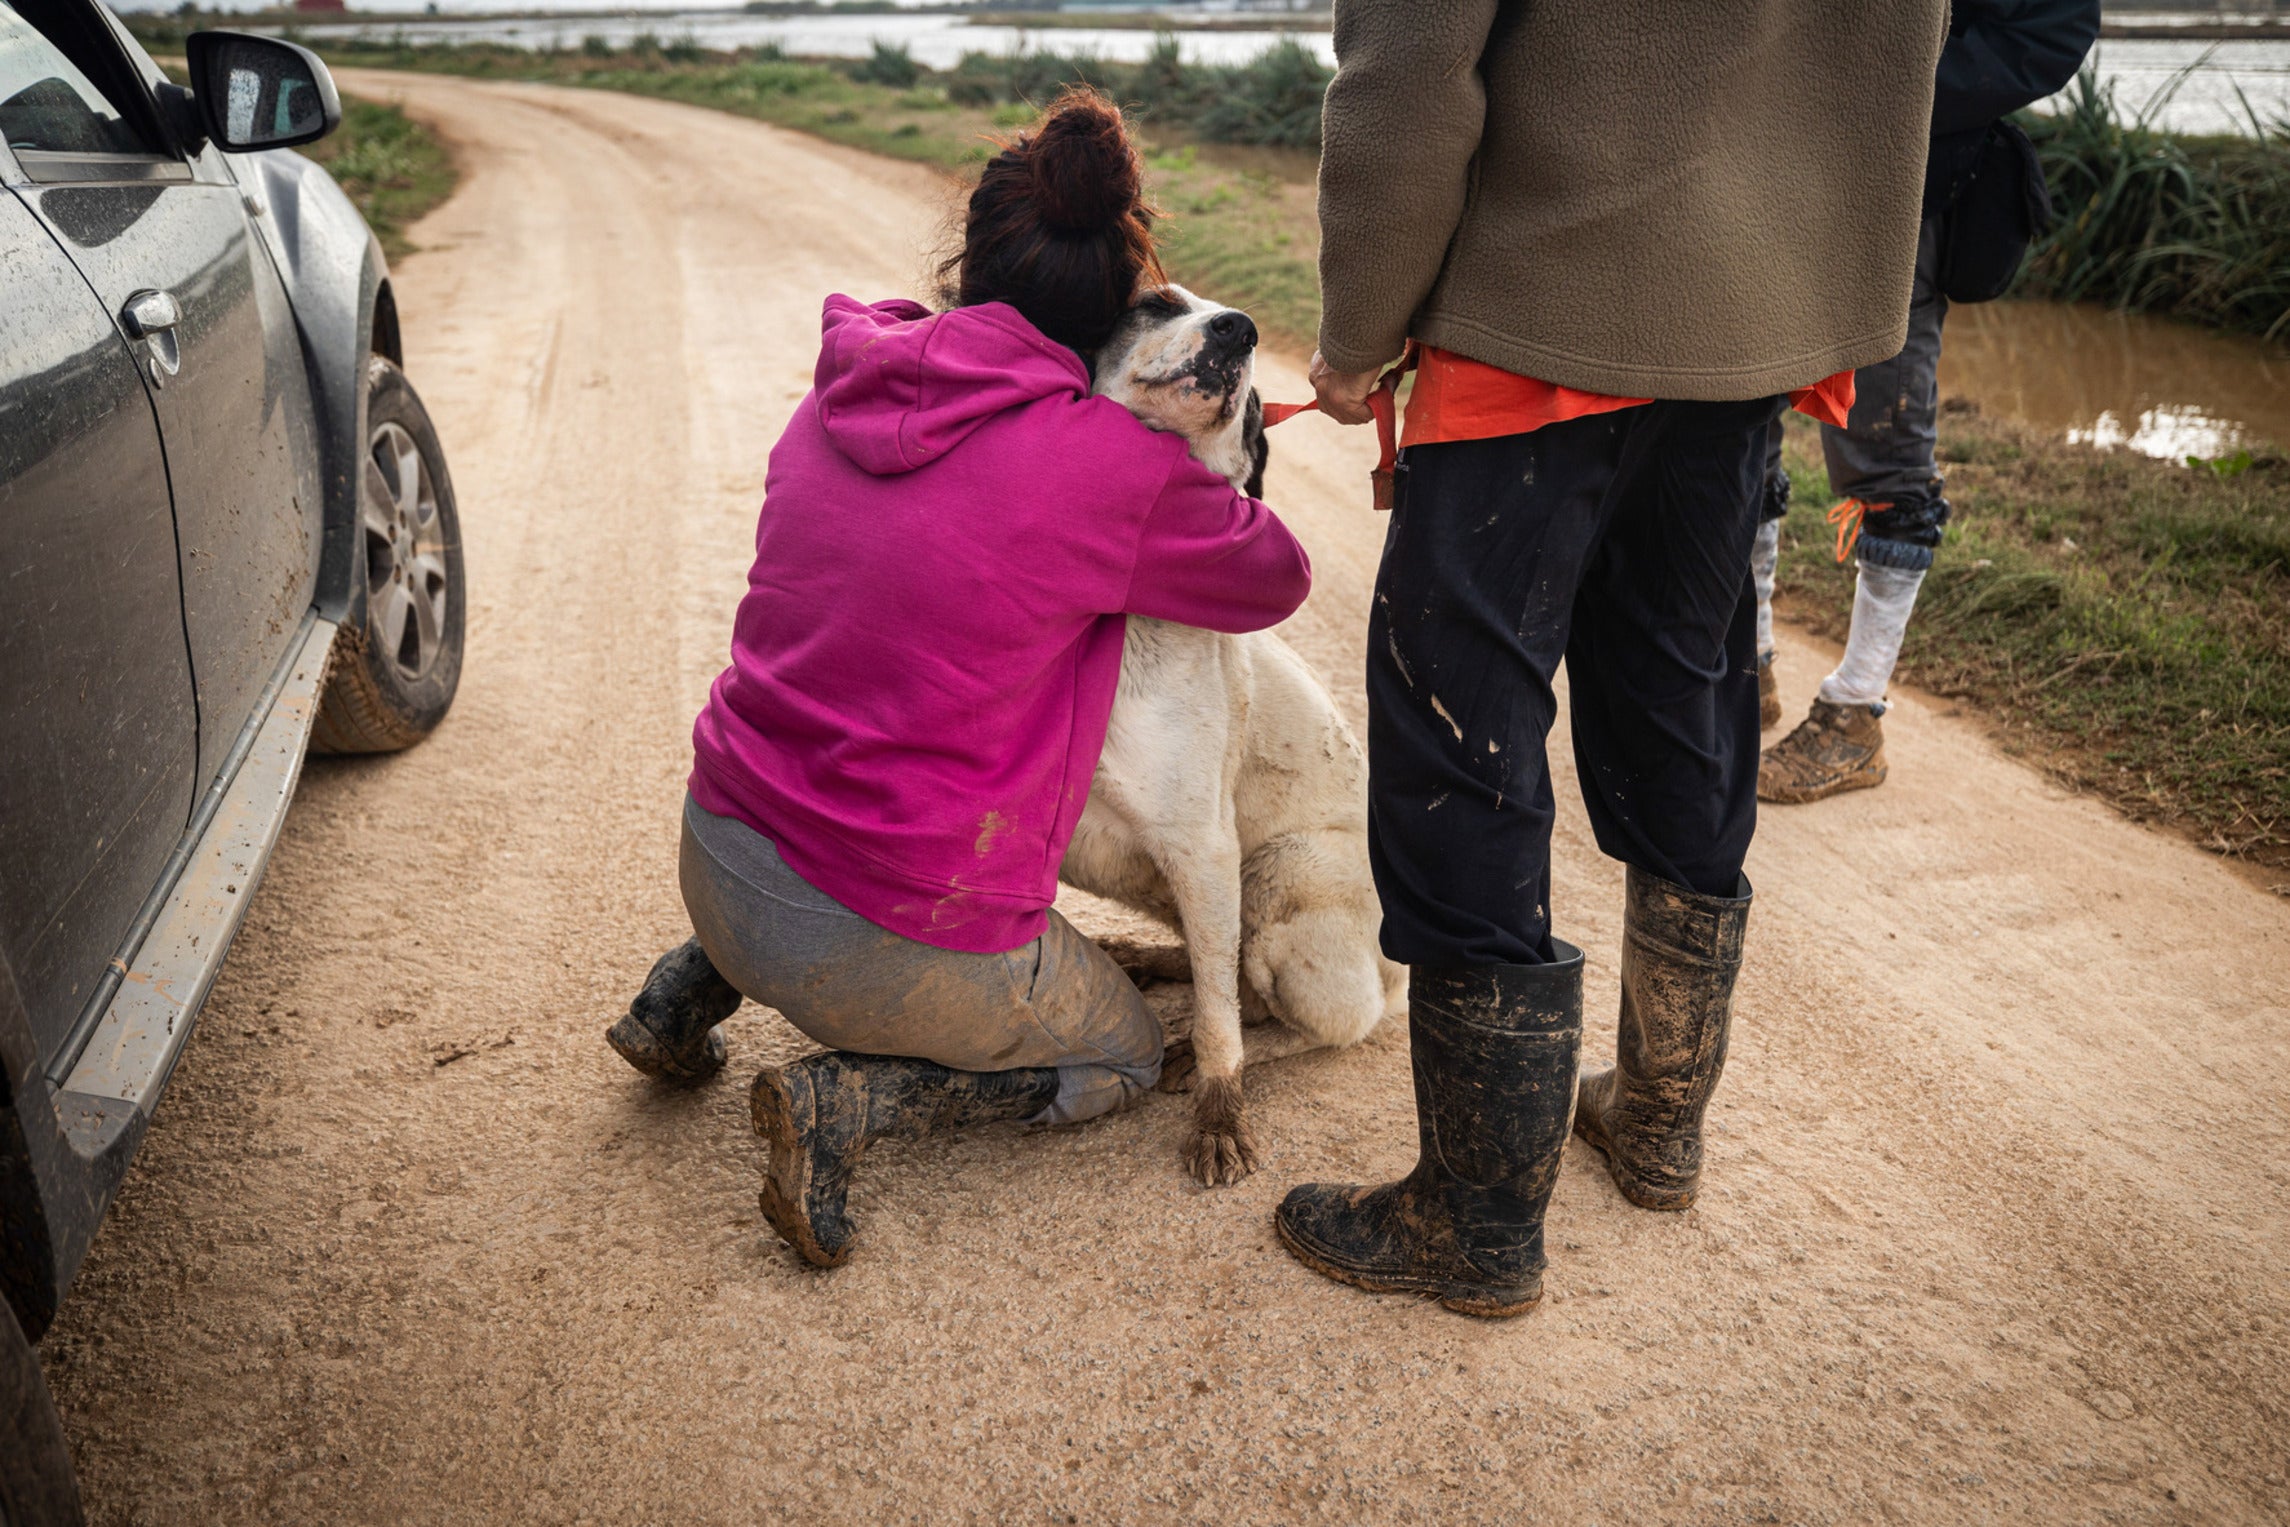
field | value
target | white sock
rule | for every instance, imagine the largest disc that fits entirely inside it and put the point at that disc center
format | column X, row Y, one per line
column 1764, row 557
column 1882, row 599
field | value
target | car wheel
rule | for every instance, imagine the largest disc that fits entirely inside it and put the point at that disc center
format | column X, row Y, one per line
column 394, row 672
column 36, row 1484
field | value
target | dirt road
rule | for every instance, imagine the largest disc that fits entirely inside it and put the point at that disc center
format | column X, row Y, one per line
column 1994, row 1226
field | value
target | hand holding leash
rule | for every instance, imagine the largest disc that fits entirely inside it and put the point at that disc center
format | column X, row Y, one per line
column 1343, row 395
column 1377, row 400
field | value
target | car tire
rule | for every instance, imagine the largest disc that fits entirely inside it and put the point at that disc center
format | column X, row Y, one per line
column 396, row 667
column 36, row 1484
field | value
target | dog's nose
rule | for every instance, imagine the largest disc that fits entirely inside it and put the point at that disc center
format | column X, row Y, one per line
column 1234, row 328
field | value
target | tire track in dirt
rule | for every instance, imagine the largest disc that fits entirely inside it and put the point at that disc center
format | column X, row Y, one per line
column 1994, row 1225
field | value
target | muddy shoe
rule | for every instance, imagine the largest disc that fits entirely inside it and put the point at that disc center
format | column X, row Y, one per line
column 670, row 1030
column 1494, row 1050
column 1680, row 954
column 1399, row 1239
column 1768, row 694
column 1835, row 749
column 820, row 1115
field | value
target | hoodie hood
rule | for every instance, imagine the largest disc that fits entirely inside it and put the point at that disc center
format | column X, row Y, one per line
column 898, row 386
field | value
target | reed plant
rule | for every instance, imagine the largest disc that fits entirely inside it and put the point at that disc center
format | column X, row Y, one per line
column 2151, row 221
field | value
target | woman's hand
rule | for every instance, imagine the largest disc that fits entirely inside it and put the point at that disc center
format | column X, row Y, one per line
column 1343, row 394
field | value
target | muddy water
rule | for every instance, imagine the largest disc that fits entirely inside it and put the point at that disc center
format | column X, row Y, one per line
column 2119, row 379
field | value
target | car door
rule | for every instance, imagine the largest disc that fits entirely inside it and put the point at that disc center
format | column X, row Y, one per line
column 165, row 242
column 96, row 711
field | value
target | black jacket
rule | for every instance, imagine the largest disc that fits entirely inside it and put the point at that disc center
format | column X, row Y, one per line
column 2001, row 55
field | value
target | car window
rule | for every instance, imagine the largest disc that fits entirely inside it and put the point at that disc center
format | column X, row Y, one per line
column 47, row 103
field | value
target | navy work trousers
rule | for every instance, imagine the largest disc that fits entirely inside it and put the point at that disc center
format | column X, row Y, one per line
column 1619, row 542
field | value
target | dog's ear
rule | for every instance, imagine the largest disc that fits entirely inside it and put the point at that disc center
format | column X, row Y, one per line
column 1253, row 442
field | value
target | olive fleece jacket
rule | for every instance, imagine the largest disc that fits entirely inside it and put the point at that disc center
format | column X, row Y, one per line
column 1707, row 200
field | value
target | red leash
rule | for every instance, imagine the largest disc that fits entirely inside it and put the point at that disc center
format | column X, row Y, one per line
column 1383, row 402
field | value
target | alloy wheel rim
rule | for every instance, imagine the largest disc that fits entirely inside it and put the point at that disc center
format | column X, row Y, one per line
column 406, row 588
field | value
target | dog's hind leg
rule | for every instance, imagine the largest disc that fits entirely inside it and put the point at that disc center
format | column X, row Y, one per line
column 1205, row 881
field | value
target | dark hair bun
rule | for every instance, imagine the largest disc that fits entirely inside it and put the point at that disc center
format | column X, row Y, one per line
column 1086, row 178
column 1057, row 225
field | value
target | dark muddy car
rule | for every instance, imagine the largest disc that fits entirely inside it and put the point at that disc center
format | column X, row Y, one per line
column 226, row 535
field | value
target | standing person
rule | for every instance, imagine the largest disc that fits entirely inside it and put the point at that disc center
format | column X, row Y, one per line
column 2001, row 55
column 1576, row 210
column 887, row 775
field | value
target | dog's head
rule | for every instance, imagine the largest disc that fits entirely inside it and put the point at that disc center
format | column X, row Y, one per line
column 1187, row 366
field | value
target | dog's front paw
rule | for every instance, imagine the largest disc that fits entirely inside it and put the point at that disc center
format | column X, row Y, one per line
column 1222, row 1151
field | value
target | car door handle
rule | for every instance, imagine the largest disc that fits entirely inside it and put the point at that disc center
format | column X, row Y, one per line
column 149, row 313
column 151, row 317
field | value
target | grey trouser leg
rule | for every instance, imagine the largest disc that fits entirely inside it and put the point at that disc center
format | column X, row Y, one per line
column 1058, row 1001
column 1886, row 455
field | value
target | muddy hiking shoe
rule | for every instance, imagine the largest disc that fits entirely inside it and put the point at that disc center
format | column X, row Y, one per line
column 670, row 1030
column 820, row 1115
column 1680, row 954
column 1768, row 694
column 1494, row 1051
column 1834, row 749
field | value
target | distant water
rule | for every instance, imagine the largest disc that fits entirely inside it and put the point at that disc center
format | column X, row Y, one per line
column 2119, row 379
column 936, row 40
column 2220, row 77
column 2206, row 101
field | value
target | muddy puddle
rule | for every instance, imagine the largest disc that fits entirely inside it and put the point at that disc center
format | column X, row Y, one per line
column 2119, row 380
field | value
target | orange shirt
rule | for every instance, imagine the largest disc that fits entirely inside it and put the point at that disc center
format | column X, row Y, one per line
column 1457, row 398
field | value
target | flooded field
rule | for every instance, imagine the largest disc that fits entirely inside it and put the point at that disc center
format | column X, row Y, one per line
column 2119, row 379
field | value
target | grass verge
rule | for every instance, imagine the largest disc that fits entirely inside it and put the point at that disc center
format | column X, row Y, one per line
column 394, row 168
column 2123, row 622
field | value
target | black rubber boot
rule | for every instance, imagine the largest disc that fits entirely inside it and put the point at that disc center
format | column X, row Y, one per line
column 1680, row 953
column 670, row 1030
column 820, row 1115
column 1495, row 1050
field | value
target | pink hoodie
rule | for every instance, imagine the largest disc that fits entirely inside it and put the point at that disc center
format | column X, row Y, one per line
column 922, row 668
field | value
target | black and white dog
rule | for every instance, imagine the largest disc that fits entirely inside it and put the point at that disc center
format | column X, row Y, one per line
column 1231, row 798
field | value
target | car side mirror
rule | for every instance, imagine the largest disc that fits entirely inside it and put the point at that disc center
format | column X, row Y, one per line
column 260, row 92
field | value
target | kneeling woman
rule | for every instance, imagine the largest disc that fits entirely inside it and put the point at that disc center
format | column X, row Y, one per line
column 888, row 773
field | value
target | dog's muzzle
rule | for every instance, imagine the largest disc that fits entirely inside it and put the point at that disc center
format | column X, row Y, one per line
column 1228, row 340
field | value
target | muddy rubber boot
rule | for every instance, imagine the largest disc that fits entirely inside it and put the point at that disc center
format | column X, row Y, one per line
column 820, row 1115
column 1680, row 954
column 1768, row 694
column 670, row 1030
column 1495, row 1049
column 1834, row 749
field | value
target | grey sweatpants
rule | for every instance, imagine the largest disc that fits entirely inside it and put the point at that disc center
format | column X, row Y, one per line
column 1059, row 1001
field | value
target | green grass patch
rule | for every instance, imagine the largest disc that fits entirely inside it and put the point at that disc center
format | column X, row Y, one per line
column 2123, row 621
column 394, row 168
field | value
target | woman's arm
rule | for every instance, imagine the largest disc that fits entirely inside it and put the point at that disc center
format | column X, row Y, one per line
column 1215, row 558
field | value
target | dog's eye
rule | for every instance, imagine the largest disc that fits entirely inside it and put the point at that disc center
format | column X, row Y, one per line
column 1159, row 304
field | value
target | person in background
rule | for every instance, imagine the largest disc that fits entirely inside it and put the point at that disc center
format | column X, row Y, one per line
column 886, row 776
column 1983, row 202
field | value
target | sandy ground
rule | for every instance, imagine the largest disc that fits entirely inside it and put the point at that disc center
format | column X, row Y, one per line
column 1994, row 1220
